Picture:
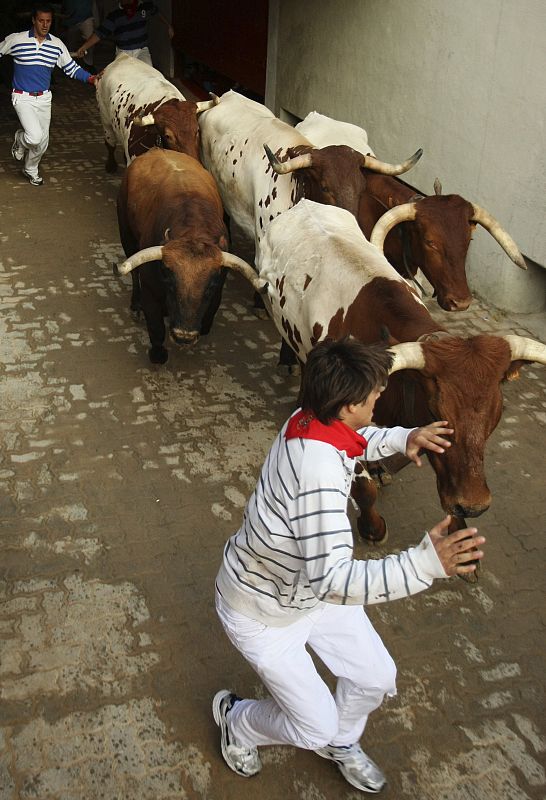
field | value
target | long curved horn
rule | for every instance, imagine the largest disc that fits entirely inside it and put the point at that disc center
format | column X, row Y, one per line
column 142, row 257
column 483, row 217
column 141, row 122
column 283, row 167
column 205, row 105
column 402, row 213
column 525, row 349
column 237, row 264
column 370, row 162
column 437, row 186
column 408, row 355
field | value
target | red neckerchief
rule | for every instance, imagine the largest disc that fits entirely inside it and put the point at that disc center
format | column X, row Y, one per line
column 303, row 425
column 131, row 10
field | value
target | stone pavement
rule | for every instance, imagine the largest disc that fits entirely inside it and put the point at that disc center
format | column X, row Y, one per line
column 119, row 484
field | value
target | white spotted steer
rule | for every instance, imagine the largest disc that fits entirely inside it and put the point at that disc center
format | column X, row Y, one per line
column 139, row 109
column 253, row 190
column 325, row 279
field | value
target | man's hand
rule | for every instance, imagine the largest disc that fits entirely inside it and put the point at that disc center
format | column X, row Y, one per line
column 455, row 550
column 429, row 437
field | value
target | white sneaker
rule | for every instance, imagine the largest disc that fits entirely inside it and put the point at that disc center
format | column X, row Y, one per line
column 16, row 150
column 35, row 180
column 357, row 768
column 245, row 761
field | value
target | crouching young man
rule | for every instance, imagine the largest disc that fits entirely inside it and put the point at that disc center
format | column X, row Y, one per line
column 288, row 578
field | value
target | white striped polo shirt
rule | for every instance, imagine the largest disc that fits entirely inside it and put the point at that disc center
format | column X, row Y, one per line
column 33, row 62
column 294, row 548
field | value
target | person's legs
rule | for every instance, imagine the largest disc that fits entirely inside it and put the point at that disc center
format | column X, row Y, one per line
column 346, row 641
column 34, row 115
column 301, row 710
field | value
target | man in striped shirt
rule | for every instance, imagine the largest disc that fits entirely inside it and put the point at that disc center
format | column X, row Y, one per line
column 288, row 577
column 127, row 26
column 35, row 54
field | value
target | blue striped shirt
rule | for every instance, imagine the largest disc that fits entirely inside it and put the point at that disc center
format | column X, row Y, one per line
column 33, row 62
column 128, row 34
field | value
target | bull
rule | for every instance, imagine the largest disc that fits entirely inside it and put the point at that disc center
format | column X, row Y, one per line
column 171, row 226
column 435, row 231
column 255, row 187
column 139, row 109
column 325, row 279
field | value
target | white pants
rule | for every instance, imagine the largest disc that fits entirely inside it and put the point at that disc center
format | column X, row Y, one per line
column 79, row 33
column 302, row 710
column 142, row 53
column 35, row 116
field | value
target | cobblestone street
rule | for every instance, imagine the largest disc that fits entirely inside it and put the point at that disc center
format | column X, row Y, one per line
column 120, row 483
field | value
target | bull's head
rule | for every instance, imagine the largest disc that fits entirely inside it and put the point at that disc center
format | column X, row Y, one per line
column 459, row 380
column 439, row 237
column 176, row 123
column 334, row 174
column 193, row 274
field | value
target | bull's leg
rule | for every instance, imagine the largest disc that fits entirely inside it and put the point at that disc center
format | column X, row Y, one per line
column 259, row 307
column 153, row 312
column 371, row 526
column 136, row 305
column 110, row 143
column 210, row 313
column 288, row 361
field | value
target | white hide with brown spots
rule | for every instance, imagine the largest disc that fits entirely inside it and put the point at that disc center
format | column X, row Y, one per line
column 316, row 261
column 233, row 134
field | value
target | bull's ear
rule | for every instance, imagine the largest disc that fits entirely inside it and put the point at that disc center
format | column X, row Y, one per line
column 512, row 373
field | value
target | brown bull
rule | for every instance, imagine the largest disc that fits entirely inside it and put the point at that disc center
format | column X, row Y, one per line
column 434, row 234
column 171, row 226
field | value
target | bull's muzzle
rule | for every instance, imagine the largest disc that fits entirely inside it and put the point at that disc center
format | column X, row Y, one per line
column 184, row 337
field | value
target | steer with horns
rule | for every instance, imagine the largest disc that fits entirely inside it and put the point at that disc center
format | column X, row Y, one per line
column 171, row 227
column 325, row 279
column 432, row 233
column 256, row 187
column 140, row 109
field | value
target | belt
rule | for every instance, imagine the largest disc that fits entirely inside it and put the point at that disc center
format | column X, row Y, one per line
column 32, row 94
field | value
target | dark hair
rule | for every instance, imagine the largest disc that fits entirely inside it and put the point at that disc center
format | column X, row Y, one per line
column 46, row 8
column 342, row 372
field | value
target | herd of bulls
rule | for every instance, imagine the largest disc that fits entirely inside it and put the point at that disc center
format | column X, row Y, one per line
column 320, row 208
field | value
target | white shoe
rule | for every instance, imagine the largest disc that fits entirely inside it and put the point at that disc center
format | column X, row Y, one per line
column 245, row 761
column 357, row 768
column 35, row 180
column 16, row 150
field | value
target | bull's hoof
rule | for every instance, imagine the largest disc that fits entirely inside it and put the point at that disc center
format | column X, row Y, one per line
column 380, row 475
column 261, row 313
column 290, row 370
column 372, row 536
column 158, row 355
column 136, row 313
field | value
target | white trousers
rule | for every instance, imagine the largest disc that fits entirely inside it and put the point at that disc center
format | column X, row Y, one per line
column 302, row 710
column 35, row 116
column 142, row 53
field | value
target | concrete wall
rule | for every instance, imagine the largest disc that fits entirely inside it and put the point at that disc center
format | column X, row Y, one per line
column 465, row 80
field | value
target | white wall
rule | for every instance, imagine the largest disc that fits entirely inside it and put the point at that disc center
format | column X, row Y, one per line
column 464, row 79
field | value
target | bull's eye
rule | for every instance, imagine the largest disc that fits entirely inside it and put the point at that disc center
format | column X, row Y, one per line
column 430, row 243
